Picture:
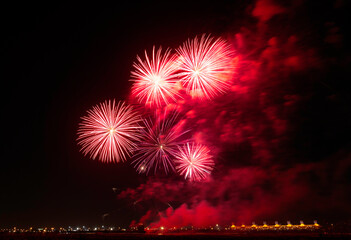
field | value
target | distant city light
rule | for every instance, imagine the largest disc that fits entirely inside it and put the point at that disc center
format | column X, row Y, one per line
column 218, row 228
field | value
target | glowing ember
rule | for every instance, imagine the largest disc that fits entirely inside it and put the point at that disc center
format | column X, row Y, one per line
column 194, row 161
column 203, row 66
column 108, row 131
column 154, row 79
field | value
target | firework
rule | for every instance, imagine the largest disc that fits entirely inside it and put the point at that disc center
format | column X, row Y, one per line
column 203, row 66
column 194, row 161
column 109, row 131
column 154, row 79
column 159, row 142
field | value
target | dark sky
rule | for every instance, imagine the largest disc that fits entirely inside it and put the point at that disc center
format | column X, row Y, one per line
column 59, row 60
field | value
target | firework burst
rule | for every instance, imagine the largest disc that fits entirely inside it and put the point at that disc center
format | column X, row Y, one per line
column 194, row 161
column 204, row 65
column 154, row 79
column 159, row 142
column 109, row 131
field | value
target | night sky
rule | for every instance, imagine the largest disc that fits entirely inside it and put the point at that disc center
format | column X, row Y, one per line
column 60, row 60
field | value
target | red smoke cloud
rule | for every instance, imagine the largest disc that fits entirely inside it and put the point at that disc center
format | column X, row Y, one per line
column 254, row 133
column 239, row 195
column 266, row 9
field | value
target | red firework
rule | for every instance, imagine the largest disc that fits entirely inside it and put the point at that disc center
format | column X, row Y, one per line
column 204, row 66
column 159, row 143
column 194, row 161
column 108, row 131
column 154, row 79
